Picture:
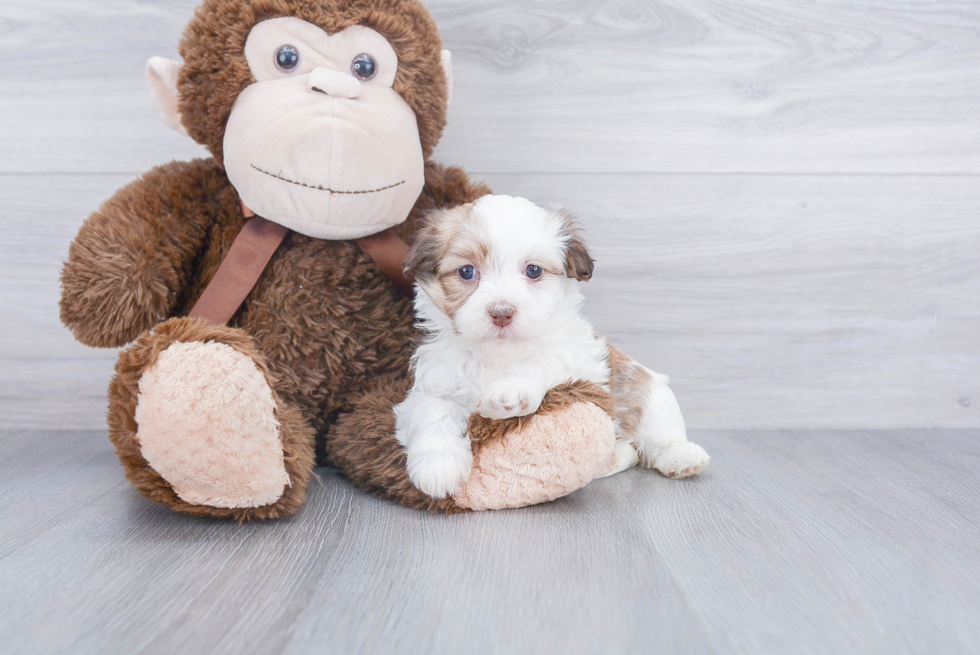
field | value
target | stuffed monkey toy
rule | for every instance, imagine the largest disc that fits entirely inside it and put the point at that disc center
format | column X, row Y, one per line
column 260, row 290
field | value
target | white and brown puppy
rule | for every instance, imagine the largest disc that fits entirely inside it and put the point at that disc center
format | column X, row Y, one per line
column 499, row 302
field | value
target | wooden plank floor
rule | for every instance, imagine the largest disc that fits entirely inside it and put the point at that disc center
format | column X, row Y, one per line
column 792, row 542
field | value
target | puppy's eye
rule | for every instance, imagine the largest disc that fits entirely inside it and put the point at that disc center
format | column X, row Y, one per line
column 364, row 67
column 467, row 272
column 533, row 271
column 287, row 58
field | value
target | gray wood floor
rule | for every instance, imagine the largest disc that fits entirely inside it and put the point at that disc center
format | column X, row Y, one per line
column 792, row 542
column 784, row 201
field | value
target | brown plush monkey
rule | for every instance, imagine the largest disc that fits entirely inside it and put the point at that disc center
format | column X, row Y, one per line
column 321, row 117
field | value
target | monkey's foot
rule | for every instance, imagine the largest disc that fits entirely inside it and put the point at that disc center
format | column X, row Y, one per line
column 199, row 427
column 528, row 460
column 207, row 425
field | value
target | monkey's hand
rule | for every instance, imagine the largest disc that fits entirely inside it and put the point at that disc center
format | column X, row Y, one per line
column 131, row 260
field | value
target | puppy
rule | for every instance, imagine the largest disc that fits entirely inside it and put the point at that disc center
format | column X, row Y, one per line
column 498, row 302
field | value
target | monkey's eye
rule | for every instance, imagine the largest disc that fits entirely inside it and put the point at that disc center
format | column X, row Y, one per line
column 363, row 67
column 287, row 58
column 467, row 272
column 533, row 271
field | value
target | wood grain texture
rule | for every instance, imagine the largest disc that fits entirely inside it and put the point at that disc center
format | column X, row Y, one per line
column 772, row 301
column 563, row 86
column 803, row 542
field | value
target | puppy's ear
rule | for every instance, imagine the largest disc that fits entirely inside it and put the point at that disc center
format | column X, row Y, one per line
column 578, row 261
column 421, row 261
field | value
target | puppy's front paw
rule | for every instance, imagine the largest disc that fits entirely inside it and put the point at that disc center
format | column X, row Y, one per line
column 508, row 398
column 440, row 472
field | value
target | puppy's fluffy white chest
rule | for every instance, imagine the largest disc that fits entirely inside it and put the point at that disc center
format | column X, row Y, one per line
column 448, row 366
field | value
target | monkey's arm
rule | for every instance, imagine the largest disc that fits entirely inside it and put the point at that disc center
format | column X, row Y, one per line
column 132, row 258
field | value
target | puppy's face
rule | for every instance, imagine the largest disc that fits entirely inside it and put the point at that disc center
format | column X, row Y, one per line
column 498, row 268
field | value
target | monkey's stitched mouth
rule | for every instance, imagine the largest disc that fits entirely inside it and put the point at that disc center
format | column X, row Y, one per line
column 323, row 188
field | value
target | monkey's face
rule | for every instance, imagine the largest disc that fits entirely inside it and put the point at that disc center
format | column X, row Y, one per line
column 320, row 142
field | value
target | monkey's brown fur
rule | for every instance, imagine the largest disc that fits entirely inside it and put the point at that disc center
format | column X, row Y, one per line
column 323, row 323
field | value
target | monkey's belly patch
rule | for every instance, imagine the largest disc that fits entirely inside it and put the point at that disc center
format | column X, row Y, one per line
column 323, row 188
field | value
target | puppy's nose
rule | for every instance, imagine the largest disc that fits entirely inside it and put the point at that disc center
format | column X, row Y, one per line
column 334, row 83
column 502, row 314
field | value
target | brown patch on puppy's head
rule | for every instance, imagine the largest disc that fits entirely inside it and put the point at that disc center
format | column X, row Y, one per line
column 215, row 70
column 449, row 240
column 423, row 257
column 578, row 261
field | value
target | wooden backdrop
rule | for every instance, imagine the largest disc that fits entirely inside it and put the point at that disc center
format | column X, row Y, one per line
column 783, row 195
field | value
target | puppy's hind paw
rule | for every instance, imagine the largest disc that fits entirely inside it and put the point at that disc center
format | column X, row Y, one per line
column 681, row 460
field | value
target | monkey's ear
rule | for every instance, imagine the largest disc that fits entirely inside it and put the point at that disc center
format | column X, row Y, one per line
column 447, row 68
column 161, row 75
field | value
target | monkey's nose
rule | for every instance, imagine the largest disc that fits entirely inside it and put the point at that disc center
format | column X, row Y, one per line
column 334, row 83
column 502, row 314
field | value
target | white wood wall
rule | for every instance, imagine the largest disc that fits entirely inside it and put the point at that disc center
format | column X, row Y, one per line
column 783, row 195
